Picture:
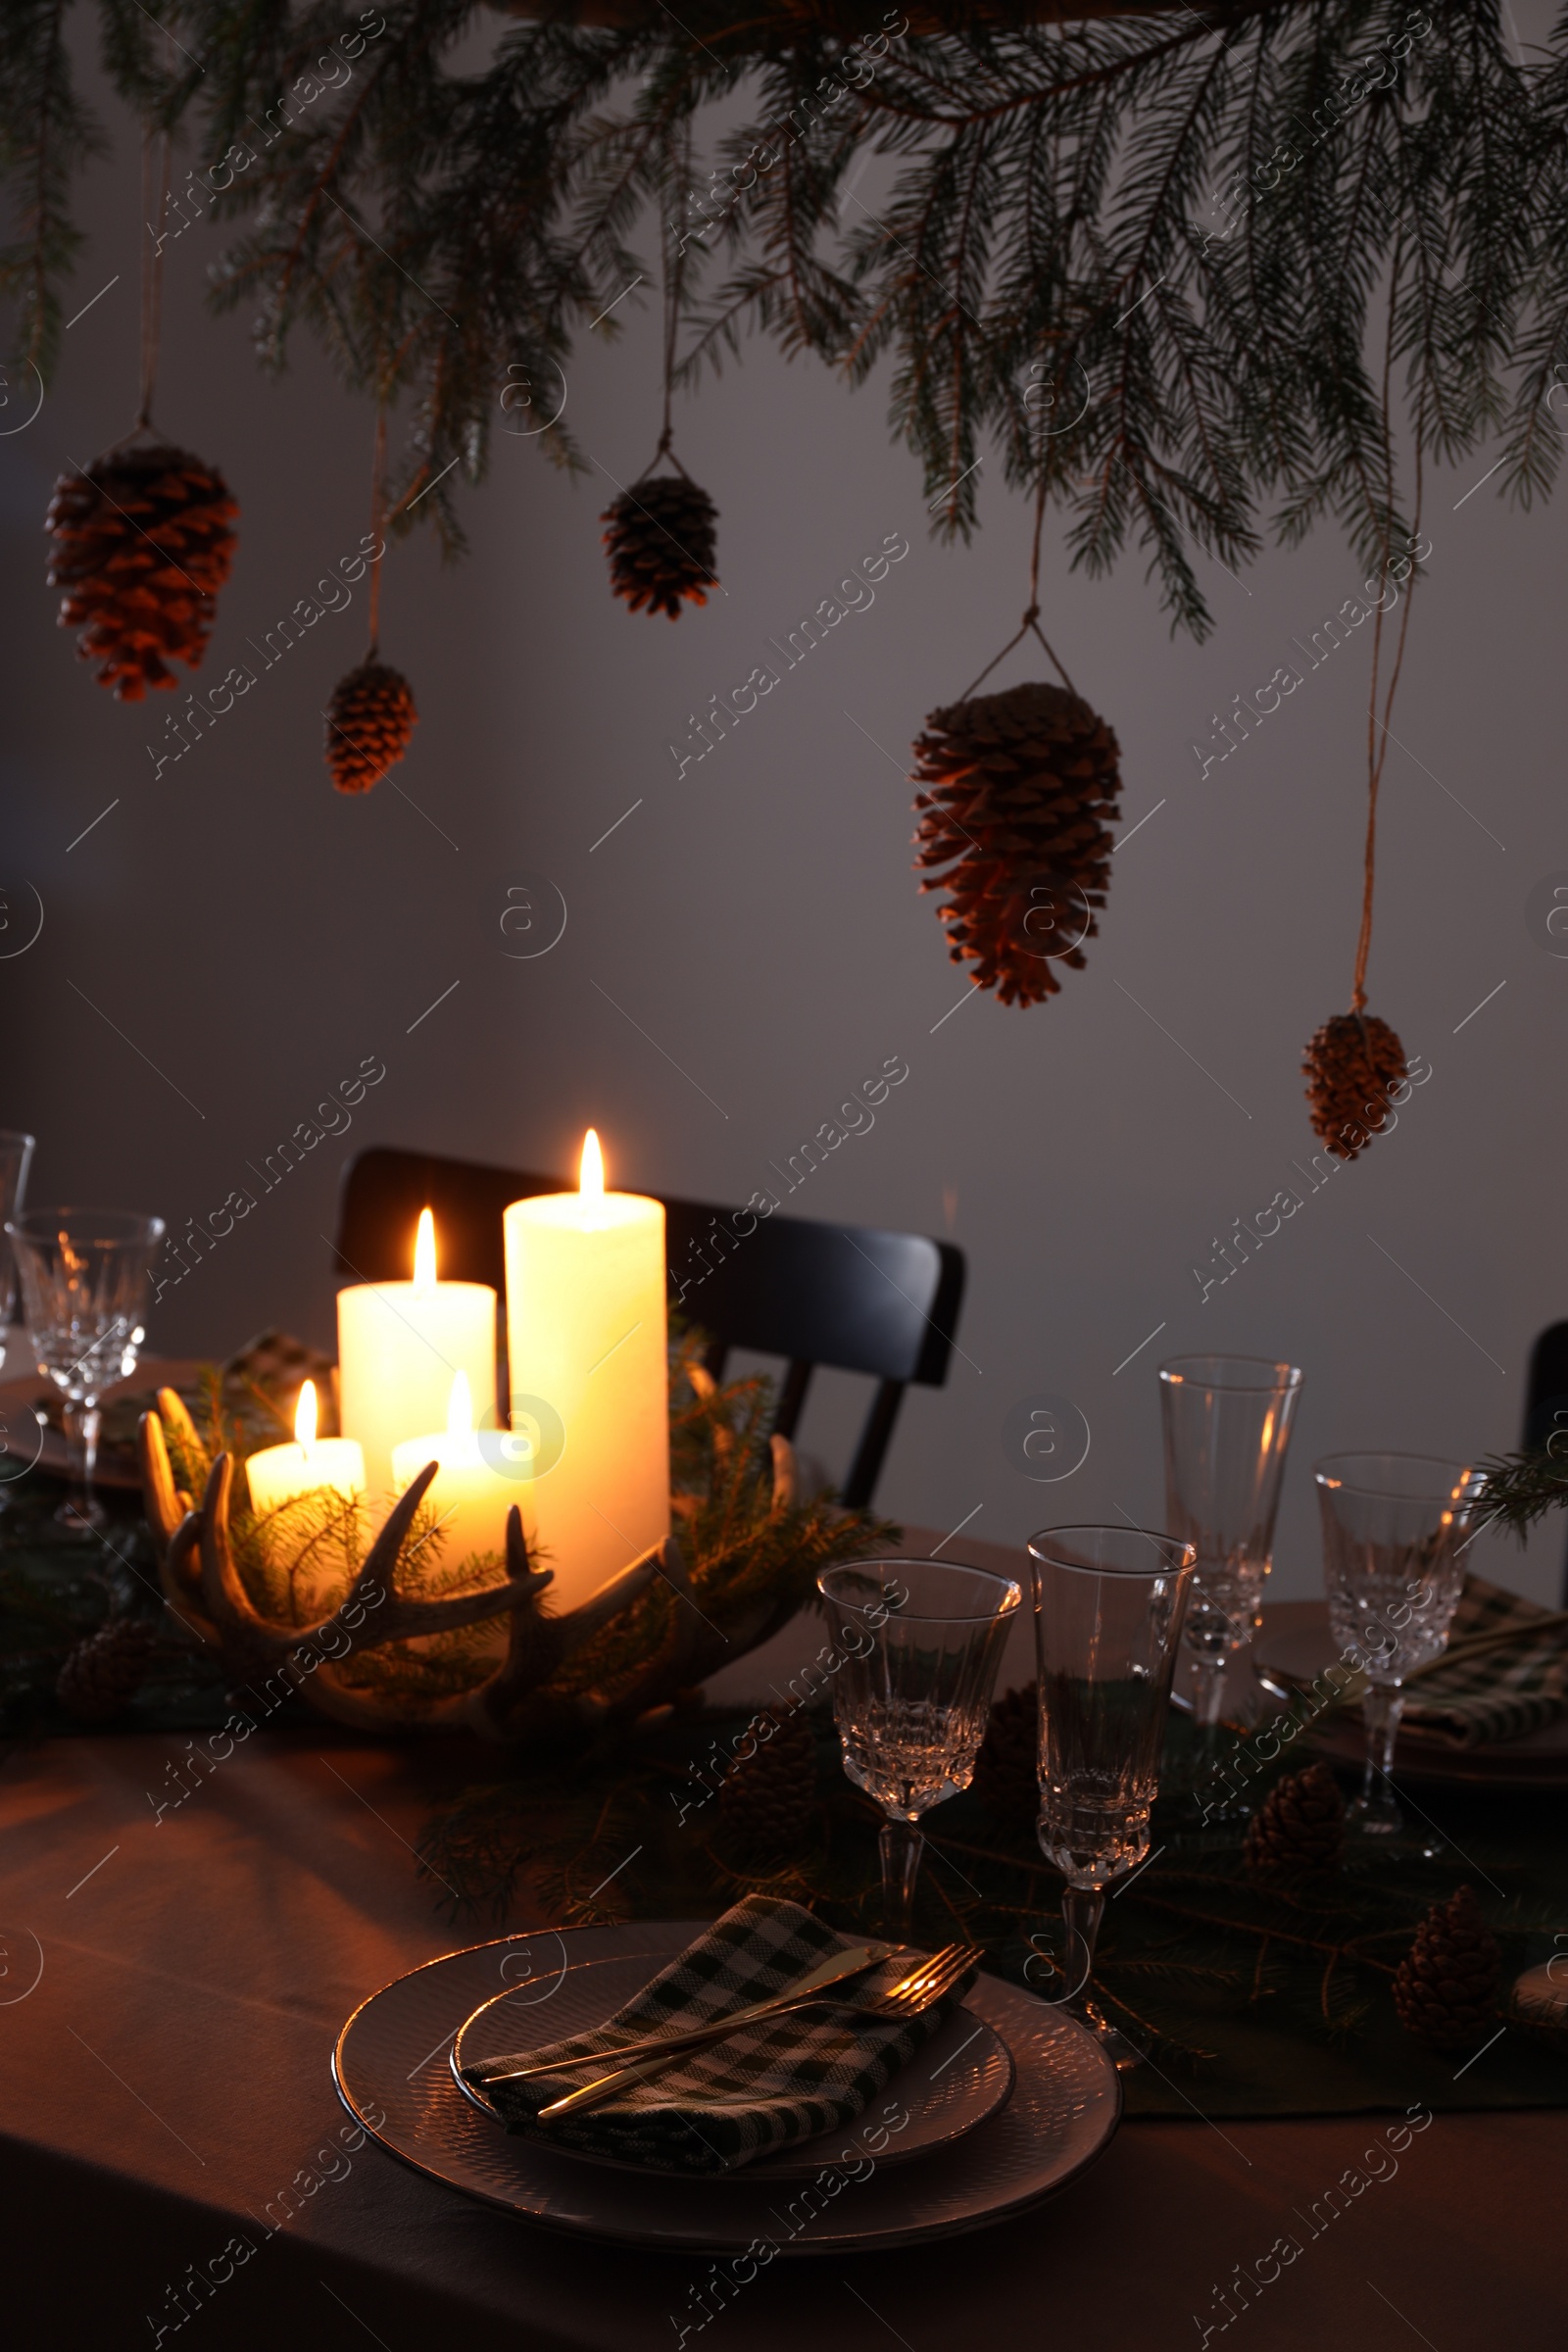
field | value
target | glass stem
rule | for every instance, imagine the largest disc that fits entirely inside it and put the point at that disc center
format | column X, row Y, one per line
column 1208, row 1677
column 901, row 1845
column 1381, row 1710
column 1082, row 1910
column 82, row 1453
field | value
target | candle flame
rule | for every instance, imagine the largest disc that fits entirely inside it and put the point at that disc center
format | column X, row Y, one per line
column 591, row 1181
column 424, row 1257
column 459, row 1407
column 304, row 1416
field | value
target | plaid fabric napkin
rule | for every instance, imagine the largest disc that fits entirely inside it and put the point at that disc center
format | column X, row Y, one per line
column 764, row 2087
column 1502, row 1693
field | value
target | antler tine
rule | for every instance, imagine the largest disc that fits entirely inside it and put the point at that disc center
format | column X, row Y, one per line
column 375, row 1577
column 224, row 1597
column 786, row 1476
column 539, row 1645
column 158, row 1478
column 173, row 1412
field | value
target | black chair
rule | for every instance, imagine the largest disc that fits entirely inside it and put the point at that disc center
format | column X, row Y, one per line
column 1547, row 1401
column 850, row 1296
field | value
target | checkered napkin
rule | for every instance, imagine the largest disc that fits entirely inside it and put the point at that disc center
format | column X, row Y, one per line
column 764, row 2087
column 1500, row 1693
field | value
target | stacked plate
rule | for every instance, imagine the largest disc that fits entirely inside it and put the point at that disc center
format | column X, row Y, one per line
column 1010, row 2102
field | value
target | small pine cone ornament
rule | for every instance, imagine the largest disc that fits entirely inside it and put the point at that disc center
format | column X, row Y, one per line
column 768, row 1800
column 1017, row 790
column 1352, row 1065
column 143, row 541
column 369, row 723
column 1446, row 1987
column 1299, row 1826
column 660, row 541
column 1007, row 1771
column 106, row 1671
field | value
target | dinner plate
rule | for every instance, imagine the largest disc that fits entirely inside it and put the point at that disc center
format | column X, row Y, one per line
column 1287, row 1662
column 964, row 2073
column 391, row 2070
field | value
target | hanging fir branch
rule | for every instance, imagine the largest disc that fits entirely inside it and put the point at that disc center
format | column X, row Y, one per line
column 1165, row 225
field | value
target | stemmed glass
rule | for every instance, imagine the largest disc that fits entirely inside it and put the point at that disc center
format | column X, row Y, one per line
column 1108, row 1606
column 1227, row 1424
column 915, row 1648
column 1394, row 1527
column 16, row 1157
column 84, row 1289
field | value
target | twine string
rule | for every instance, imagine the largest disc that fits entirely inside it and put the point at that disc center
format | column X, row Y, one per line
column 155, row 201
column 377, row 517
column 1031, row 617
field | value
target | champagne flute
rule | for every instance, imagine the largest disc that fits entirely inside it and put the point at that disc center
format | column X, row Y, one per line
column 84, row 1275
column 1394, row 1527
column 1108, row 1606
column 916, row 1645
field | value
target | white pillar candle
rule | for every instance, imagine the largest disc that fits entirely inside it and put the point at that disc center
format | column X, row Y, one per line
column 590, row 1376
column 399, row 1344
column 471, row 1493
column 282, row 1475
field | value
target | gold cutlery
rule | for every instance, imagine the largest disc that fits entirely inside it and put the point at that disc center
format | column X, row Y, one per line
column 831, row 1971
column 918, row 1990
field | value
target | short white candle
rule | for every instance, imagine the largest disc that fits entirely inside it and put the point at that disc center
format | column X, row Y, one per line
column 399, row 1344
column 281, row 1475
column 590, row 1376
column 470, row 1493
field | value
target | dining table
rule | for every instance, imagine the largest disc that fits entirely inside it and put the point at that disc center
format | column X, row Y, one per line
column 176, row 2162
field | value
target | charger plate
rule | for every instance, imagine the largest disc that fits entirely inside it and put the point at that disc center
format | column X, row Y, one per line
column 392, row 2072
column 957, row 2079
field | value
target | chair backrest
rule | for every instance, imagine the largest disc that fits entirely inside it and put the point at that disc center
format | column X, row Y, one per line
column 1545, row 1398
column 851, row 1297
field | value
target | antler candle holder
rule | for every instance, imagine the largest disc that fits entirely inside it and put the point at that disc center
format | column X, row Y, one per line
column 548, row 1680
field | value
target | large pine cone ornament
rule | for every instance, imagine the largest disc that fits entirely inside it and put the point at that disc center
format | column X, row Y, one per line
column 768, row 1800
column 1351, row 1065
column 1018, row 788
column 143, row 541
column 660, row 541
column 1446, row 1987
column 1300, row 1825
column 1007, row 1771
column 369, row 723
column 106, row 1671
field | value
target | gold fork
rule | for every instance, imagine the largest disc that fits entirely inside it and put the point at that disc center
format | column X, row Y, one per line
column 922, row 1986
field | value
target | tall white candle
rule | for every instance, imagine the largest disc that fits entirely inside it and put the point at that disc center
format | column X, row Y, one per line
column 590, row 1378
column 472, row 1496
column 399, row 1344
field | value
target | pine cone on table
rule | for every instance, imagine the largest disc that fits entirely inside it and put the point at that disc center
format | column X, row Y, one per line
column 768, row 1800
column 1018, row 787
column 1007, row 1771
column 662, row 541
column 369, row 721
column 144, row 540
column 105, row 1672
column 1352, row 1064
column 1300, row 1825
column 1445, row 1988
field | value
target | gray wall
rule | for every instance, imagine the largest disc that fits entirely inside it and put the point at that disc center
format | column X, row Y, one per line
column 233, row 937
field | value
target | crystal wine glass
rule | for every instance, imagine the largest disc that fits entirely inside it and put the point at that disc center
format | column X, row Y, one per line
column 16, row 1157
column 915, row 1648
column 84, row 1275
column 1227, row 1424
column 1394, row 1527
column 1109, row 1605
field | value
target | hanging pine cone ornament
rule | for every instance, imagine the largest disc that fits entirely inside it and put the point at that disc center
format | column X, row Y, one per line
column 105, row 1672
column 768, row 1800
column 143, row 541
column 660, row 541
column 1007, row 1771
column 1299, row 1826
column 1018, row 787
column 369, row 723
column 1351, row 1065
column 1445, row 1988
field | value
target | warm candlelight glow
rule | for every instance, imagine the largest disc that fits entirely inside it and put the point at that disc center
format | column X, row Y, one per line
column 304, row 1416
column 459, row 1407
column 424, row 1257
column 591, row 1180
column 471, row 1495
